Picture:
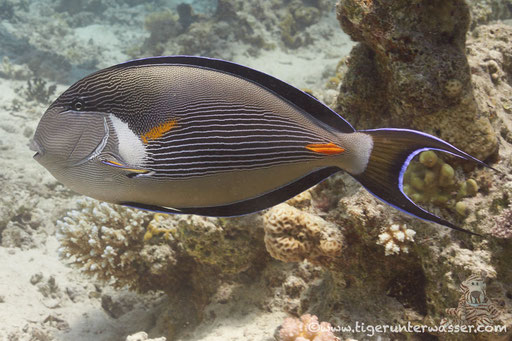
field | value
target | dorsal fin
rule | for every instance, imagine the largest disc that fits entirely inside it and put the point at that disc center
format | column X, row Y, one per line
column 294, row 96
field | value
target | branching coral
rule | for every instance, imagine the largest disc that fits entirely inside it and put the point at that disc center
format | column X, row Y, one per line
column 106, row 241
column 292, row 235
column 307, row 328
column 37, row 90
column 394, row 238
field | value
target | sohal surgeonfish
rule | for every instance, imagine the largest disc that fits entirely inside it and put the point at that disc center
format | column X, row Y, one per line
column 196, row 135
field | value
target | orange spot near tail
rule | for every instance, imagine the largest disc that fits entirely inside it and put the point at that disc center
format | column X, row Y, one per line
column 158, row 131
column 325, row 148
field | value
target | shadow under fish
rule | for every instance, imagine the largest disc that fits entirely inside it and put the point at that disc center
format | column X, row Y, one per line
column 196, row 135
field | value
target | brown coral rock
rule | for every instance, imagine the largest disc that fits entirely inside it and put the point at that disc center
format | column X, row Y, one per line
column 410, row 70
column 292, row 235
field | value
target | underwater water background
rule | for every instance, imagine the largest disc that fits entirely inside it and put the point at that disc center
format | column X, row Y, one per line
column 77, row 269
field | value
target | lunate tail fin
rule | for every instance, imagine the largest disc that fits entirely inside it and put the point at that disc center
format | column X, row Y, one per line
column 393, row 150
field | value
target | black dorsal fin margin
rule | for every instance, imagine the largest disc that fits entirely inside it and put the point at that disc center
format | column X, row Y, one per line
column 294, row 96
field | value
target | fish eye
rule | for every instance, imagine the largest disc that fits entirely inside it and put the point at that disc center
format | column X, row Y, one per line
column 78, row 104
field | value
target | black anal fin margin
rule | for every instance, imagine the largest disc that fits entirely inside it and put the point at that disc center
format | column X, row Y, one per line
column 247, row 206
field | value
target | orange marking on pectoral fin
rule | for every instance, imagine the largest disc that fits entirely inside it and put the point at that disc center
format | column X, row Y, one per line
column 158, row 131
column 325, row 148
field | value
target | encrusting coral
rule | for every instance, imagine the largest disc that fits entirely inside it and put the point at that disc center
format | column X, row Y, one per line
column 229, row 244
column 394, row 238
column 106, row 241
column 306, row 328
column 292, row 235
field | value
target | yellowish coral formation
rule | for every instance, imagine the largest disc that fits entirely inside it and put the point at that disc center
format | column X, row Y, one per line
column 307, row 328
column 394, row 238
column 432, row 180
column 301, row 200
column 292, row 235
column 156, row 227
column 223, row 243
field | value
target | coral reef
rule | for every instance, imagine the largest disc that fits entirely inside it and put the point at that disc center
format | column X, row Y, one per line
column 292, row 235
column 251, row 25
column 394, row 239
column 430, row 180
column 174, row 254
column 75, row 7
column 489, row 51
column 162, row 26
column 106, row 241
column 13, row 71
column 218, row 270
column 484, row 11
column 231, row 245
column 503, row 225
column 410, row 70
column 293, row 24
column 37, row 90
column 306, row 328
column 8, row 8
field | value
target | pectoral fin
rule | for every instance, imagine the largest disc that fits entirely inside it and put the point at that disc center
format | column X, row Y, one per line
column 131, row 171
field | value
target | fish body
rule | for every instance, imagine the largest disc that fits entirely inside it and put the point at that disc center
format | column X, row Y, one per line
column 196, row 135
